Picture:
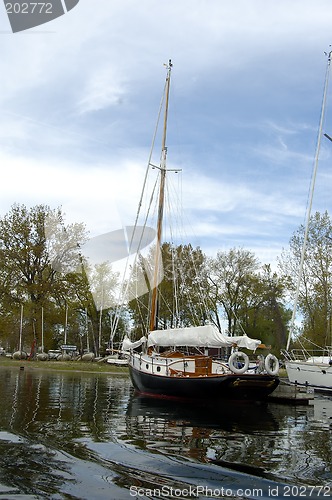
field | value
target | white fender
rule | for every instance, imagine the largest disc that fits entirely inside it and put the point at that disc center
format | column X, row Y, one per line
column 235, row 358
column 271, row 364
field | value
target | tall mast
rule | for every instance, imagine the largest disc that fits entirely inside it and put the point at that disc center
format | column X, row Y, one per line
column 312, row 189
column 21, row 330
column 154, row 298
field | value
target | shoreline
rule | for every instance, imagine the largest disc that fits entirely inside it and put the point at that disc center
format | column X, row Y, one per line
column 74, row 366
column 64, row 366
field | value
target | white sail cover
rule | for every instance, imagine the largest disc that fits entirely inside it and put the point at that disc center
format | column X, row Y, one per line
column 199, row 336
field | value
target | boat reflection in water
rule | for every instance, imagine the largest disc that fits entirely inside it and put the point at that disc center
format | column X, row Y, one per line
column 204, row 432
column 237, row 417
column 269, row 441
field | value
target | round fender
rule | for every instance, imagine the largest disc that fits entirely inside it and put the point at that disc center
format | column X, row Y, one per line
column 271, row 364
column 236, row 359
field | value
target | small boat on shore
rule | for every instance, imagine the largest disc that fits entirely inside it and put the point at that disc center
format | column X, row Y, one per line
column 116, row 357
column 117, row 361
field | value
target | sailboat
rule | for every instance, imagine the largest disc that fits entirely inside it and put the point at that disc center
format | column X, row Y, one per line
column 182, row 362
column 89, row 355
column 311, row 368
column 42, row 356
column 20, row 354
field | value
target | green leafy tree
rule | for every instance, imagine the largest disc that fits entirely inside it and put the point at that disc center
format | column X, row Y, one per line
column 35, row 245
column 265, row 314
column 233, row 274
column 251, row 297
column 315, row 299
column 181, row 300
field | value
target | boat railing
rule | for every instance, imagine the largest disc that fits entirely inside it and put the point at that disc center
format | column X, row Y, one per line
column 304, row 354
column 156, row 364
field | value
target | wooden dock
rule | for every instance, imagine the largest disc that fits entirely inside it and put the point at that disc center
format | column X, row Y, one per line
column 291, row 394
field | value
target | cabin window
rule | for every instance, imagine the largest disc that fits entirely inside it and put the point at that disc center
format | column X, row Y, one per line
column 158, row 368
column 147, row 366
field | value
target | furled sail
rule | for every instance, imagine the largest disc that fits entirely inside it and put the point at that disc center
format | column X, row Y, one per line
column 127, row 345
column 199, row 336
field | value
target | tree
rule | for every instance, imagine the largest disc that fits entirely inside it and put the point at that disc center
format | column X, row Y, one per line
column 250, row 296
column 315, row 301
column 266, row 315
column 181, row 293
column 233, row 274
column 35, row 245
column 95, row 292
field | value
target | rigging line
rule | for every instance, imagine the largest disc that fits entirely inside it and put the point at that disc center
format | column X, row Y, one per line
column 136, row 296
column 149, row 161
column 126, row 283
column 179, row 204
column 174, row 194
column 166, row 303
column 177, row 267
column 312, row 187
column 192, row 307
column 172, row 250
column 194, row 313
column 144, row 183
column 239, row 322
column 304, row 349
column 143, row 317
column 163, row 170
column 202, row 293
column 175, row 285
column 198, row 275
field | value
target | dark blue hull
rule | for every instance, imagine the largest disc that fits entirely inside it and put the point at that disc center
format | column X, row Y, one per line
column 255, row 387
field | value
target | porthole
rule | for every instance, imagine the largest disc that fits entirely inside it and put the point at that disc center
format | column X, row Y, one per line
column 158, row 368
column 147, row 366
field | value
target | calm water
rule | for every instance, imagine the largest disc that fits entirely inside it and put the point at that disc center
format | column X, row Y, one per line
column 86, row 436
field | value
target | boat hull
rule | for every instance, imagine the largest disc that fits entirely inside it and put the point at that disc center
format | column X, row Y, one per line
column 250, row 387
column 316, row 375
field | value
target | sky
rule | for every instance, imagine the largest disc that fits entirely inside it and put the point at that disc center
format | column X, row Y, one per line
column 79, row 97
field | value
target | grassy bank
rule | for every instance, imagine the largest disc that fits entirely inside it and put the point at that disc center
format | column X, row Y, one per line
column 74, row 366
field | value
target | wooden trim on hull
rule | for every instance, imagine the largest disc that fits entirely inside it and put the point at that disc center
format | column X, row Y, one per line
column 230, row 386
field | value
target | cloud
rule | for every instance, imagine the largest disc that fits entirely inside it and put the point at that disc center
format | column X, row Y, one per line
column 103, row 89
column 79, row 104
column 105, row 197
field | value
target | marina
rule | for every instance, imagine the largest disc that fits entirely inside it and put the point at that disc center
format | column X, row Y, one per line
column 166, row 250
